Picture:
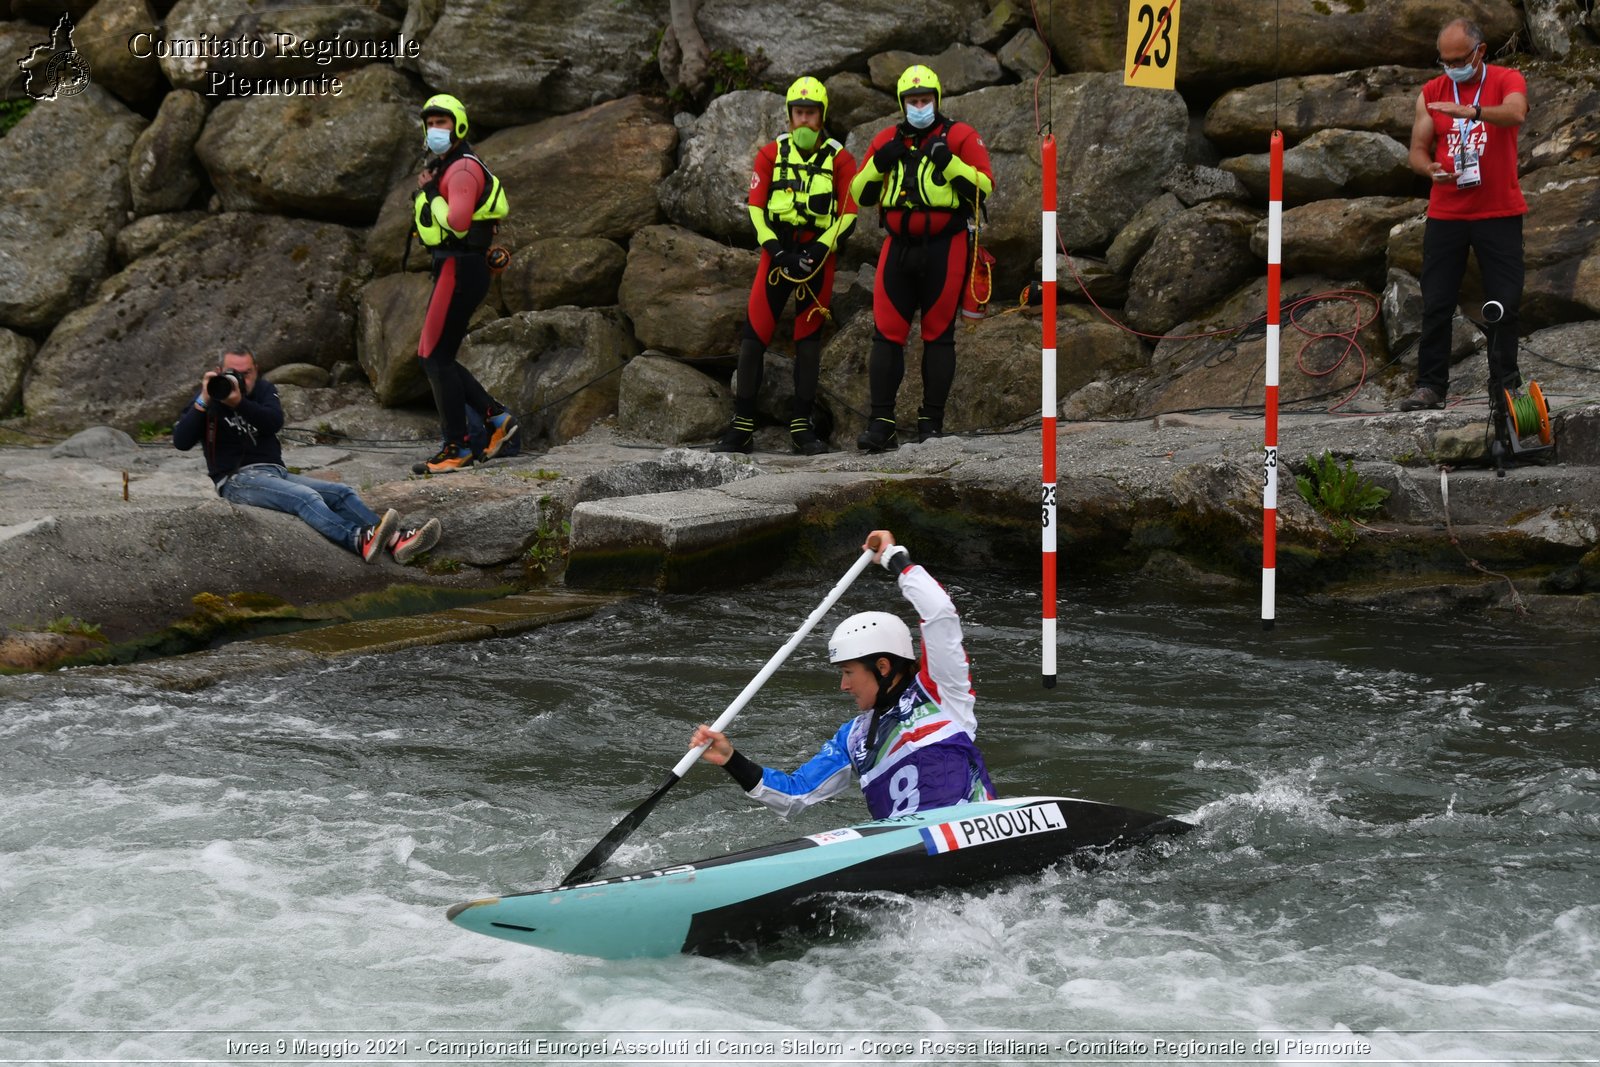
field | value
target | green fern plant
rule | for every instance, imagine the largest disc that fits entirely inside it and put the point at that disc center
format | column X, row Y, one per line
column 1339, row 493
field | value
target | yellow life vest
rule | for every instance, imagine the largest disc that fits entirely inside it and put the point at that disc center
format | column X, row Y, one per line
column 912, row 186
column 802, row 193
column 429, row 212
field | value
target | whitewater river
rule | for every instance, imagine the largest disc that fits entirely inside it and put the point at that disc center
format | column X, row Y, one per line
column 1395, row 859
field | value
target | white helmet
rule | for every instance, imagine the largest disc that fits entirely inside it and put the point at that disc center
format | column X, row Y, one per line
column 868, row 635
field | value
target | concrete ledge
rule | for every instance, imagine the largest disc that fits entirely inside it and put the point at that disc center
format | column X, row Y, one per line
column 692, row 539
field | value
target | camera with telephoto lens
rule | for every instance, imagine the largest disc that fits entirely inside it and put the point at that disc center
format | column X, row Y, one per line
column 220, row 386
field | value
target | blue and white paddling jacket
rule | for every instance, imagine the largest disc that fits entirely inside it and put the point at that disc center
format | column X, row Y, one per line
column 925, row 755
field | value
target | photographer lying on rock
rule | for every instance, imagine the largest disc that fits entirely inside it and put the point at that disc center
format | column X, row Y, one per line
column 237, row 416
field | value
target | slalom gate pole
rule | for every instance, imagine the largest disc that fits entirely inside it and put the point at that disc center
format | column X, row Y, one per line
column 1269, row 500
column 1047, row 411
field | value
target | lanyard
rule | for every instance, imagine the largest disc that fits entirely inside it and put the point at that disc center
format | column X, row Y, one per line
column 1467, row 124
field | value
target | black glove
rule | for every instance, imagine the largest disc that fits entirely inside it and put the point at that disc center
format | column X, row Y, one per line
column 791, row 261
column 939, row 155
column 815, row 252
column 889, row 155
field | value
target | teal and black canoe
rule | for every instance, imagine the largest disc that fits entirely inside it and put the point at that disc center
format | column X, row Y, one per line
column 728, row 903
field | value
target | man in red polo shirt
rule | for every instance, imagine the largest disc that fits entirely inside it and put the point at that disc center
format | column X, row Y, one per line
column 1464, row 140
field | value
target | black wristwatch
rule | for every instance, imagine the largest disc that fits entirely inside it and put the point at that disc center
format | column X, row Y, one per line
column 1477, row 112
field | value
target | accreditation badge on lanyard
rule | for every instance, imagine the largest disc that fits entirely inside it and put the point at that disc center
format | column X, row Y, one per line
column 1469, row 173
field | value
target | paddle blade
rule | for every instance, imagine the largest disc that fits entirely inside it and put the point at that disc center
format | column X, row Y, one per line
column 602, row 851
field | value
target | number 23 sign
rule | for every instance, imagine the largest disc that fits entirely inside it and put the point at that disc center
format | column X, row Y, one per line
column 1152, row 56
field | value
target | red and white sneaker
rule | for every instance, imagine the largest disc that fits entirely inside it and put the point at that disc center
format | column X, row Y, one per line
column 405, row 545
column 373, row 538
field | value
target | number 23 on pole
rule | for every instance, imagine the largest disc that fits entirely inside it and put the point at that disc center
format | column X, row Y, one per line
column 1152, row 56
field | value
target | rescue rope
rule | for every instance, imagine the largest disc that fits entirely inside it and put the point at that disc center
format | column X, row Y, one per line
column 1444, row 500
column 803, row 291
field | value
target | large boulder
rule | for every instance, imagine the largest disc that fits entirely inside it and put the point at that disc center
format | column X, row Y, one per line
column 1561, row 238
column 287, row 288
column 103, row 37
column 1341, row 238
column 1555, row 27
column 1198, row 257
column 1563, row 123
column 708, row 192
column 514, row 60
column 686, row 294
column 961, row 68
column 663, row 399
column 826, row 36
column 63, row 197
column 1254, row 40
column 1212, row 363
column 1333, row 163
column 1380, row 99
column 852, row 101
column 580, row 271
column 144, row 235
column 329, row 156
column 559, row 370
column 591, row 174
column 162, row 174
column 271, row 44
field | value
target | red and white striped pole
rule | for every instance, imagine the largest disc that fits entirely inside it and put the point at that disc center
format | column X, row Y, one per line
column 1269, row 500
column 1047, row 408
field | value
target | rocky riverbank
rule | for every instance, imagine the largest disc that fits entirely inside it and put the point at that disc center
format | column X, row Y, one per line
column 112, row 544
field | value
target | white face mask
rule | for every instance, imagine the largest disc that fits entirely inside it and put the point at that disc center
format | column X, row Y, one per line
column 920, row 117
column 437, row 140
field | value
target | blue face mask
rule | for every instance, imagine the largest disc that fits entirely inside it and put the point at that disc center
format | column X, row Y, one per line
column 1462, row 74
column 920, row 117
column 437, row 140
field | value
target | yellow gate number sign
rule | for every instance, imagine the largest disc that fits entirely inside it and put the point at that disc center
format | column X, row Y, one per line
column 1152, row 59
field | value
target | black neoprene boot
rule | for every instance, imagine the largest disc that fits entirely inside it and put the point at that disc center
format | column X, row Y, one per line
column 879, row 436
column 739, row 438
column 806, row 442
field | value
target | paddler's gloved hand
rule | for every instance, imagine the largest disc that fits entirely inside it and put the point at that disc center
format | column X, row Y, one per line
column 792, row 261
column 885, row 158
column 939, row 155
column 892, row 557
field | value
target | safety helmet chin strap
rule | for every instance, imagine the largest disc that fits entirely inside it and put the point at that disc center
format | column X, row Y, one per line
column 889, row 690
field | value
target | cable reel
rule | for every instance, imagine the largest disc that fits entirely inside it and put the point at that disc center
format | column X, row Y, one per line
column 1520, row 420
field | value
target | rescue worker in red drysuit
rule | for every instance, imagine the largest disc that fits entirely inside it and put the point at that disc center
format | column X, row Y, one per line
column 454, row 213
column 929, row 177
column 801, row 209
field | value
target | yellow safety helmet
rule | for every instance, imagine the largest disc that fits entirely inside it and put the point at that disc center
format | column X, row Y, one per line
column 919, row 79
column 807, row 91
column 445, row 104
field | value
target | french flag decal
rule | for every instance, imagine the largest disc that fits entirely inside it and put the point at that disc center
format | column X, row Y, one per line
column 939, row 839
column 984, row 829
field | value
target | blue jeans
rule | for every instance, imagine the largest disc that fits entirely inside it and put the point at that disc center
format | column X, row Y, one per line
column 331, row 509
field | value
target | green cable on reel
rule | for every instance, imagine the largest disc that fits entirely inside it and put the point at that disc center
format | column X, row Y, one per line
column 1529, row 415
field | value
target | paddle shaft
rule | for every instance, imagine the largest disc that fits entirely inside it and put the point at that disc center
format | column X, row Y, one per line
column 608, row 844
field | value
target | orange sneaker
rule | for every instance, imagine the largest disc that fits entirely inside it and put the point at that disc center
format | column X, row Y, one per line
column 450, row 458
column 502, row 428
